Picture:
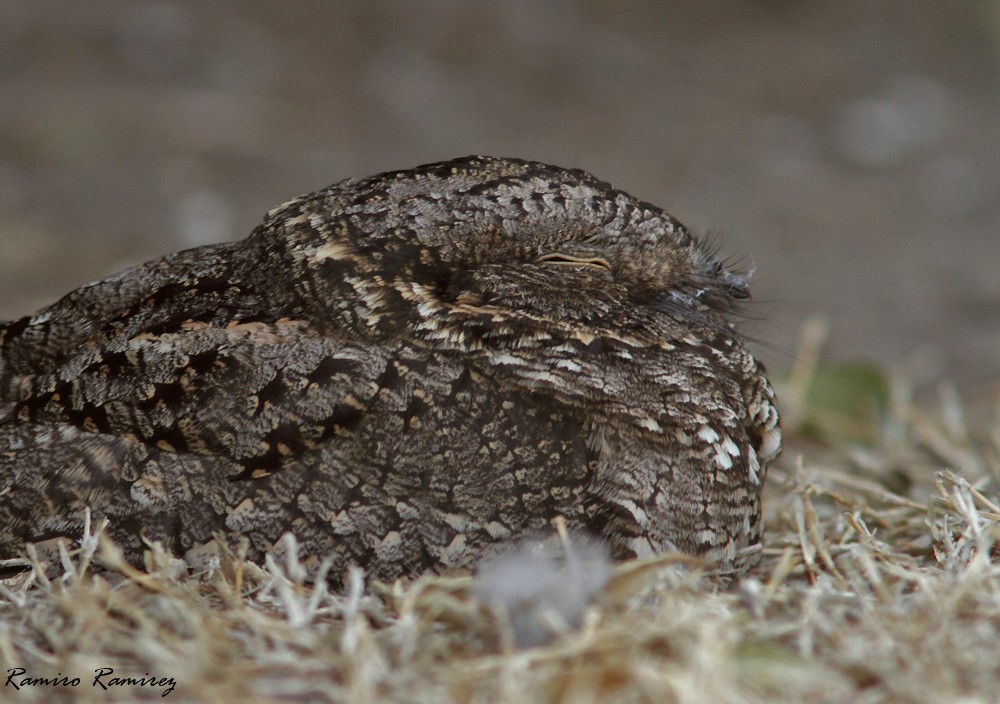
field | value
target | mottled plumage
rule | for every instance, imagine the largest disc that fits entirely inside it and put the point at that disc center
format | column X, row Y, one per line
column 405, row 371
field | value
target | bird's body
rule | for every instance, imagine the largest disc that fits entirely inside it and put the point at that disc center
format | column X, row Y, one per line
column 404, row 371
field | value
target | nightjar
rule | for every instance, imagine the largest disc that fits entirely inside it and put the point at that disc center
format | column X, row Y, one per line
column 405, row 371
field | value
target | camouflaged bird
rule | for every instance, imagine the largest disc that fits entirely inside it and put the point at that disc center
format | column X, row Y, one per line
column 405, row 371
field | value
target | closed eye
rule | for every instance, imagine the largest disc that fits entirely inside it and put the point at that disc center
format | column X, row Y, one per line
column 563, row 258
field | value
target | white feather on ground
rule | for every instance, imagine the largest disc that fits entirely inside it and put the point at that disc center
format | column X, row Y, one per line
column 543, row 587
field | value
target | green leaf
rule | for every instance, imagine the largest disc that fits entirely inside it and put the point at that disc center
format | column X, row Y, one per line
column 847, row 401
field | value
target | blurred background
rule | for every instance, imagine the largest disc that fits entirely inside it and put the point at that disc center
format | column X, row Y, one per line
column 848, row 151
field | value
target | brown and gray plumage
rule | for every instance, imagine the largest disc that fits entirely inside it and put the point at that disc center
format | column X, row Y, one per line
column 405, row 371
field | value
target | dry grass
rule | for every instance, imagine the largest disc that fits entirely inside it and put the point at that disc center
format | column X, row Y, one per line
column 878, row 585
